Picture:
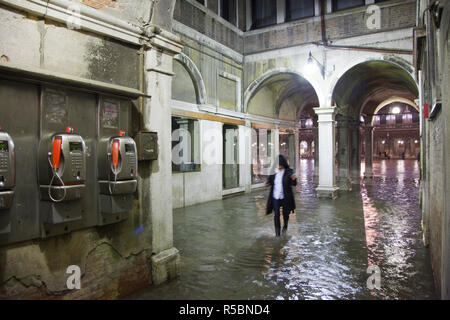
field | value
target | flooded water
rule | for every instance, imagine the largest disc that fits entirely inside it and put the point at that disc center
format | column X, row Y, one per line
column 229, row 251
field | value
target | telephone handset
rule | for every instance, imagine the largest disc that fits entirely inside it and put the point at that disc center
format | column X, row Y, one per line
column 115, row 152
column 115, row 155
column 56, row 152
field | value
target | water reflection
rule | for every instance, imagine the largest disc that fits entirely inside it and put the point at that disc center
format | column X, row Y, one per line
column 228, row 249
column 371, row 223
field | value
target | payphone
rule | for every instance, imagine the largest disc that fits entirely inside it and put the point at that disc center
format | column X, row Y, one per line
column 7, row 170
column 118, row 166
column 62, row 167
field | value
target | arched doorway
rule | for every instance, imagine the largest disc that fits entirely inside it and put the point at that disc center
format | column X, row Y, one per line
column 357, row 95
column 282, row 96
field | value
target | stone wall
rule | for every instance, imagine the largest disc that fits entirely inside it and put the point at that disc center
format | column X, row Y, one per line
column 436, row 171
column 207, row 24
column 339, row 25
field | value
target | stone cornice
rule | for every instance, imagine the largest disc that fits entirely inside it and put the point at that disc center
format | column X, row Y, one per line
column 81, row 17
column 163, row 40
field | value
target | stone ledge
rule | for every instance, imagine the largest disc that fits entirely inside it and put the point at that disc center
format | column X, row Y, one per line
column 165, row 265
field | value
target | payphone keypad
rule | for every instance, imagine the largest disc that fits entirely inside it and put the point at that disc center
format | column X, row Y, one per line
column 4, row 161
column 77, row 163
column 131, row 154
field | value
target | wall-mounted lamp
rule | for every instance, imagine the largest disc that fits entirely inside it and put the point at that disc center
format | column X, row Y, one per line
column 314, row 62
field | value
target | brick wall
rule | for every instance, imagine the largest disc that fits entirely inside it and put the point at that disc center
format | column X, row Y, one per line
column 101, row 4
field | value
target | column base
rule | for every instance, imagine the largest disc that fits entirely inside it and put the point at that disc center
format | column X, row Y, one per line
column 327, row 192
column 344, row 184
column 165, row 266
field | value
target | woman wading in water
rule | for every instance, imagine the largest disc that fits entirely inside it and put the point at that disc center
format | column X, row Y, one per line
column 281, row 194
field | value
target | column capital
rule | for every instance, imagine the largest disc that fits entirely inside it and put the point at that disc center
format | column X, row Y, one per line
column 325, row 114
column 162, row 40
column 325, row 110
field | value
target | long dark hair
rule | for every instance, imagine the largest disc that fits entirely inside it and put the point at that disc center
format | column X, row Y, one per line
column 283, row 162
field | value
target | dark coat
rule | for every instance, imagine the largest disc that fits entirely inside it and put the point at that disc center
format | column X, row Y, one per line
column 289, row 202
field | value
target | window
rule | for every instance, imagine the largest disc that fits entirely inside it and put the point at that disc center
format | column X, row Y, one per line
column 185, row 145
column 228, row 10
column 346, row 4
column 407, row 118
column 376, row 120
column 264, row 13
column 230, row 168
column 390, row 119
column 298, row 9
column 262, row 154
column 201, row 2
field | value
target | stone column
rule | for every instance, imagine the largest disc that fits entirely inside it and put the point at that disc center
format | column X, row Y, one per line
column 297, row 152
column 355, row 158
column 156, row 180
column 316, row 150
column 275, row 147
column 368, row 137
column 247, row 165
column 327, row 184
column 343, row 179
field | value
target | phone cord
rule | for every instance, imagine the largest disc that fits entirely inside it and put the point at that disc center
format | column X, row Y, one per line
column 55, row 174
column 115, row 182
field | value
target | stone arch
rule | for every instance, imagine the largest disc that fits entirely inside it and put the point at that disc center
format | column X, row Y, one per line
column 197, row 79
column 396, row 99
column 256, row 84
column 406, row 66
column 391, row 100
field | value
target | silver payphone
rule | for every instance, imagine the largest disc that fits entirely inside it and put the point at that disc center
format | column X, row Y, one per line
column 62, row 167
column 7, row 170
column 118, row 167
